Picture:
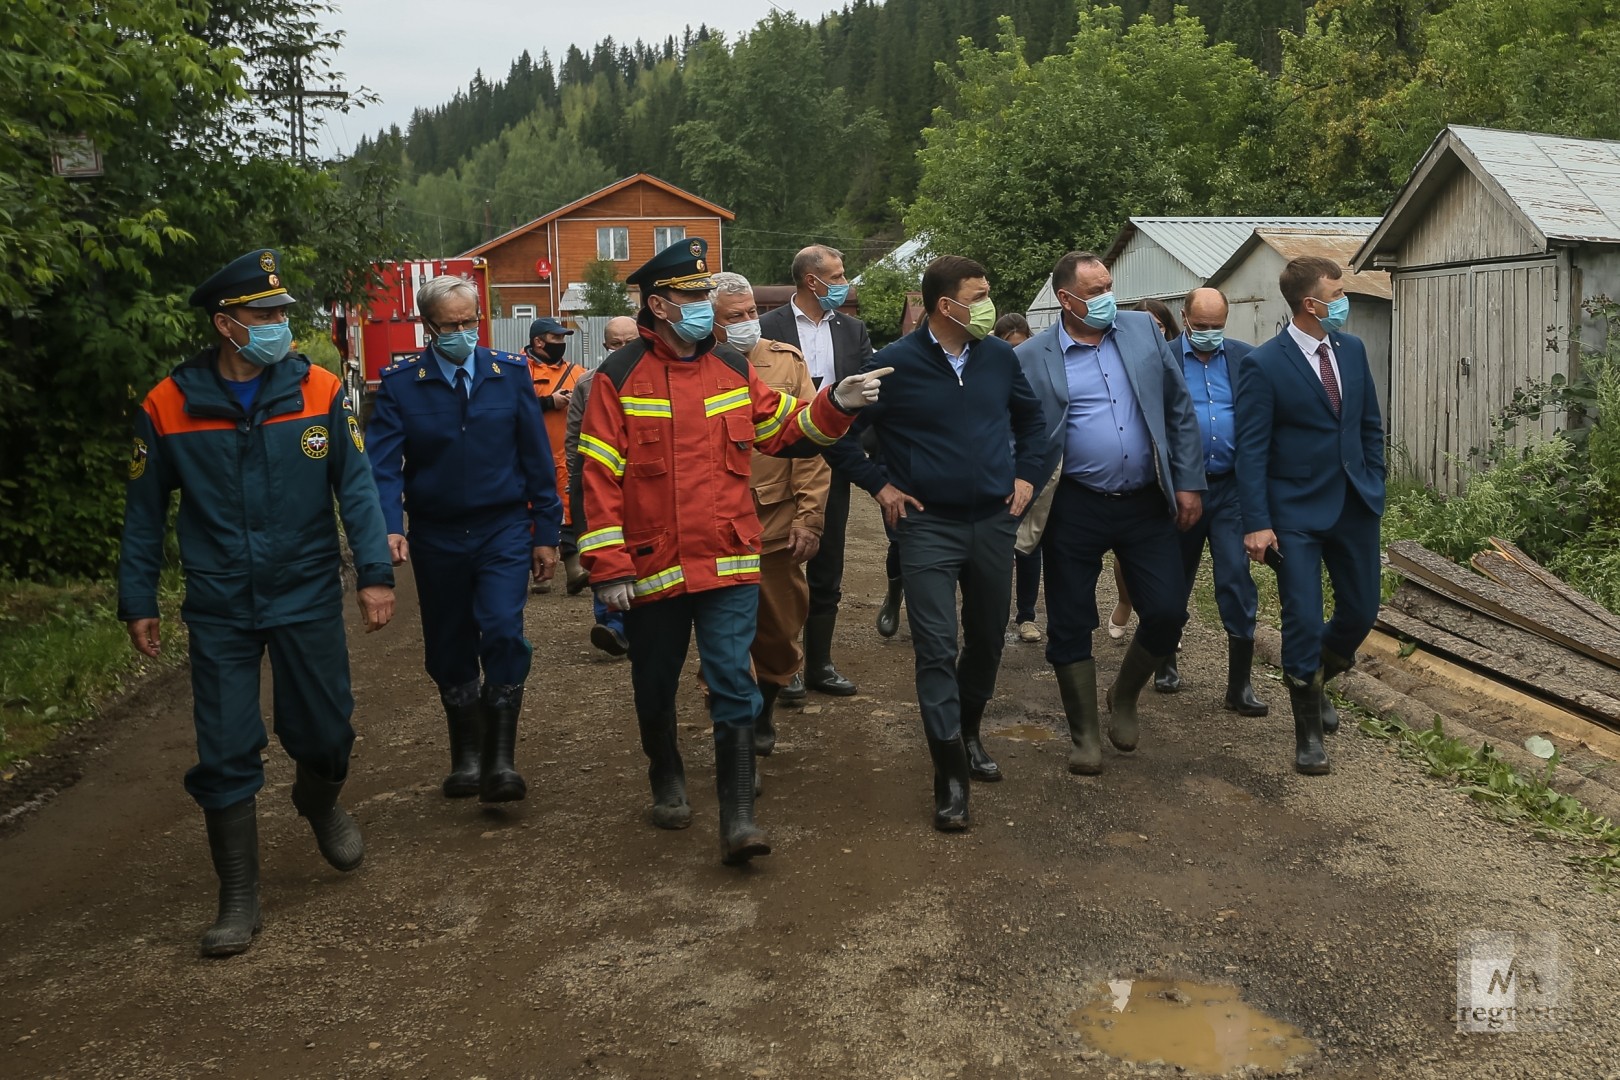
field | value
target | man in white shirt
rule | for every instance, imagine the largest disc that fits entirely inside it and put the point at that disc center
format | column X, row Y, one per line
column 835, row 346
column 1310, row 473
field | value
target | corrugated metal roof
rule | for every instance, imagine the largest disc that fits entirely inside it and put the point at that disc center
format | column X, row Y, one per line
column 1568, row 188
column 1203, row 244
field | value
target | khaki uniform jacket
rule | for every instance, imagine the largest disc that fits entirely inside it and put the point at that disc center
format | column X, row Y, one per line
column 788, row 492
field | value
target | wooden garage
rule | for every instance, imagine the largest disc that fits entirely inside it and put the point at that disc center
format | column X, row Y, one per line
column 1492, row 245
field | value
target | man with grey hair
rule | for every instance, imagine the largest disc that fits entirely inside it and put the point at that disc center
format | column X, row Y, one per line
column 458, row 441
column 835, row 346
column 790, row 495
column 607, row 632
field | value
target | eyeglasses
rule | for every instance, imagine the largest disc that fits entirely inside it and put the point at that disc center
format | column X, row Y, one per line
column 457, row 327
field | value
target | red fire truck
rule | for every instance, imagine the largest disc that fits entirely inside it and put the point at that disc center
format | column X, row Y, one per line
column 388, row 326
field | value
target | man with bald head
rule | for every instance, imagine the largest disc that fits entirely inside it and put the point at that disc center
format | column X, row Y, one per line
column 608, row 632
column 834, row 346
column 1209, row 361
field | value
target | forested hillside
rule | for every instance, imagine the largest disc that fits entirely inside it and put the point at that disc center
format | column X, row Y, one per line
column 1005, row 126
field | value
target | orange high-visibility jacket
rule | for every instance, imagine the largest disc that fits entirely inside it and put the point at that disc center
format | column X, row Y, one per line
column 548, row 379
column 665, row 449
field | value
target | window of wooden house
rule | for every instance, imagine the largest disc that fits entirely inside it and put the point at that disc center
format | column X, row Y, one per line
column 665, row 235
column 613, row 242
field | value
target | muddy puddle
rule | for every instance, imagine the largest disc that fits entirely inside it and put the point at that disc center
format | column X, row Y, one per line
column 1201, row 1028
column 1026, row 733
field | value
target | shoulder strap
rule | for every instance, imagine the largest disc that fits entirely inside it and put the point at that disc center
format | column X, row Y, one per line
column 617, row 367
column 732, row 358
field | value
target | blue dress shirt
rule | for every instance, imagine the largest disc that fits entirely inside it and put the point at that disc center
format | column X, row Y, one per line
column 1210, row 385
column 449, row 368
column 1106, row 445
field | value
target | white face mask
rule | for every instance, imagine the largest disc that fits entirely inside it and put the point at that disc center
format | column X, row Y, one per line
column 743, row 335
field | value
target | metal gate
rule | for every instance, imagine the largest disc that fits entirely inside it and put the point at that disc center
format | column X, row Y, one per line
column 584, row 347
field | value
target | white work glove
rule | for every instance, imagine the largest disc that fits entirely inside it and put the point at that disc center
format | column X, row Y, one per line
column 616, row 597
column 861, row 389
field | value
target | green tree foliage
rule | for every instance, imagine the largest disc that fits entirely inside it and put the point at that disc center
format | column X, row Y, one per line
column 94, row 273
column 1030, row 160
column 605, row 294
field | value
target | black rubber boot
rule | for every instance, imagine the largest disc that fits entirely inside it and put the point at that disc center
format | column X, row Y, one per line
column 1134, row 672
column 1167, row 679
column 1332, row 665
column 1077, row 685
column 765, row 722
column 336, row 834
column 819, row 673
column 575, row 575
column 740, row 838
column 951, row 783
column 793, row 694
column 980, row 763
column 665, row 772
column 1240, row 695
column 888, row 619
column 466, row 719
column 233, row 844
column 498, row 778
column 1310, row 757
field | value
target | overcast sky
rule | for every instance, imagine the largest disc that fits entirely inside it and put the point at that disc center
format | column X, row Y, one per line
column 414, row 53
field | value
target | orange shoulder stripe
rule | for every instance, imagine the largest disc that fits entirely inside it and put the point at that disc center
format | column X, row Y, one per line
column 320, row 388
column 166, row 407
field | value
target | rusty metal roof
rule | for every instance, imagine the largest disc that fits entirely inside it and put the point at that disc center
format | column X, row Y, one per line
column 1340, row 247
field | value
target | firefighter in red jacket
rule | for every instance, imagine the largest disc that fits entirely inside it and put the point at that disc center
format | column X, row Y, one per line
column 666, row 450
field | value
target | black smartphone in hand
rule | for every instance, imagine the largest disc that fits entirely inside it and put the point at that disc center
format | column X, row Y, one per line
column 1273, row 559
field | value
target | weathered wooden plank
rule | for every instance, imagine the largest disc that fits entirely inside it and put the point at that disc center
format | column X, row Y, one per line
column 1413, row 560
column 1555, row 583
column 1525, row 646
column 1508, row 574
column 1524, row 677
column 1549, row 717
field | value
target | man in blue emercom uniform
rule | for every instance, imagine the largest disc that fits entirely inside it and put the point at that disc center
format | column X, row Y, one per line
column 259, row 442
column 457, row 440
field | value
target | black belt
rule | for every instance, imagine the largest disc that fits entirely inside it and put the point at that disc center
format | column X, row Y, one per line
column 1144, row 489
column 1227, row 475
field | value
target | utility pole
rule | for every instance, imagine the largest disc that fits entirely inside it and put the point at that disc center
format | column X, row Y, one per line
column 489, row 229
column 294, row 92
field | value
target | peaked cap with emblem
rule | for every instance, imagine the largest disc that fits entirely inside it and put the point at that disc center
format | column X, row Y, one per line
column 254, row 280
column 684, row 265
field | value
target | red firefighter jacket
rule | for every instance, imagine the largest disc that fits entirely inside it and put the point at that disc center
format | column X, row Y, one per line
column 665, row 449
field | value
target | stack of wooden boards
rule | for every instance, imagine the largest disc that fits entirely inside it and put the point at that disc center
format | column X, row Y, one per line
column 1513, row 631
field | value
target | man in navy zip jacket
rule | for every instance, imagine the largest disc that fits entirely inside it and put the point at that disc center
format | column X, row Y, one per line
column 961, row 440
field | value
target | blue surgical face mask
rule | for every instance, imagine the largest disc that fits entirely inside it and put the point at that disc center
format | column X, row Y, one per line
column 836, row 295
column 1100, row 311
column 268, row 343
column 1206, row 341
column 456, row 345
column 696, row 321
column 1337, row 312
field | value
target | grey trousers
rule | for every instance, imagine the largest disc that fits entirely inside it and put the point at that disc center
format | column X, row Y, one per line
column 936, row 556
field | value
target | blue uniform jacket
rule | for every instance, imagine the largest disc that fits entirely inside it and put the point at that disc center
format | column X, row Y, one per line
column 1155, row 374
column 1296, row 460
column 258, row 538
column 458, row 462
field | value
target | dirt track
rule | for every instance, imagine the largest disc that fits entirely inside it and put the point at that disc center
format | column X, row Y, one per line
column 566, row 937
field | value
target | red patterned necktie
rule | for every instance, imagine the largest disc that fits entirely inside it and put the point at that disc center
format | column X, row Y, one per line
column 1330, row 382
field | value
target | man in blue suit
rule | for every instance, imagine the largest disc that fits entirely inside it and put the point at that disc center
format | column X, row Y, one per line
column 1209, row 361
column 1120, row 421
column 1310, row 467
column 459, row 444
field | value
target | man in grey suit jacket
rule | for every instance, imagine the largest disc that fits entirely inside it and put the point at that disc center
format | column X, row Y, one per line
column 1120, row 420
column 834, row 346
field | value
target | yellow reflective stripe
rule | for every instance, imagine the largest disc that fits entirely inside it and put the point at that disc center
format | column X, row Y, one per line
column 647, row 406
column 815, row 434
column 656, row 583
column 595, row 448
column 736, row 564
column 731, row 399
column 601, row 538
column 785, row 404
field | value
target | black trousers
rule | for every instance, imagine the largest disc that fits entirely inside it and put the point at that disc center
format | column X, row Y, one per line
column 938, row 556
column 1138, row 529
column 826, row 571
